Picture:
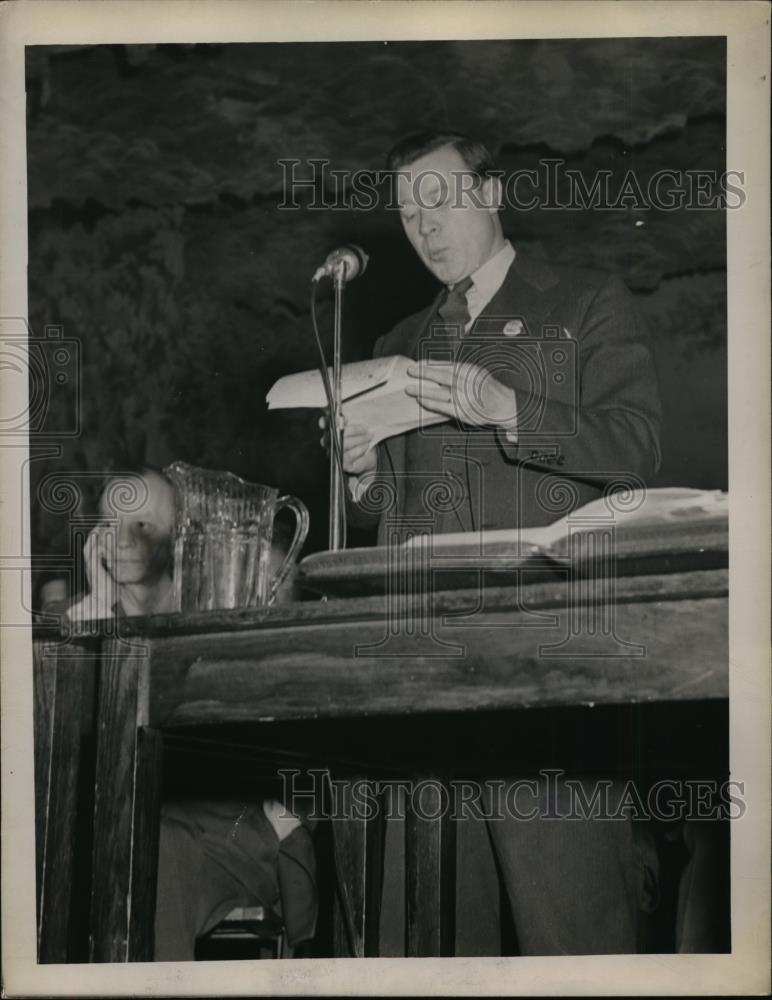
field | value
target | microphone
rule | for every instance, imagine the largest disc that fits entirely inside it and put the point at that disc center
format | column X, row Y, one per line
column 351, row 259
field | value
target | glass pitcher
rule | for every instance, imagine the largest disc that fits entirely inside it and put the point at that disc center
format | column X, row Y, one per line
column 224, row 530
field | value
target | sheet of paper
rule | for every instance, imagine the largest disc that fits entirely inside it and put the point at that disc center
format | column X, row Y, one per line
column 373, row 396
column 306, row 389
column 641, row 507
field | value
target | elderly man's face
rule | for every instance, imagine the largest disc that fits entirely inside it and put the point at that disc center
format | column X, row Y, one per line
column 144, row 533
column 453, row 227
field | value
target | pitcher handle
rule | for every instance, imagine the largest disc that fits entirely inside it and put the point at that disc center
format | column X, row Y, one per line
column 300, row 511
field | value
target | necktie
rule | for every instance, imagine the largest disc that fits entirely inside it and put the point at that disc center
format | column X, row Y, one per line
column 454, row 311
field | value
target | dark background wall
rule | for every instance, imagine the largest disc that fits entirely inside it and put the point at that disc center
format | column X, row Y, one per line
column 156, row 240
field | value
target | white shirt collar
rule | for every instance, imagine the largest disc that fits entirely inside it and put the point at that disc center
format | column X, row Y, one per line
column 488, row 279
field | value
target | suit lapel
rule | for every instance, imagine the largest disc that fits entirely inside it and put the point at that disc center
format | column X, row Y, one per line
column 527, row 294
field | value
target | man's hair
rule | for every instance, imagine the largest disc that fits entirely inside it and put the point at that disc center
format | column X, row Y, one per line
column 475, row 155
column 130, row 471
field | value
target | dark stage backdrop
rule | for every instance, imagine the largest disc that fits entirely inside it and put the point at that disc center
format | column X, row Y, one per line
column 156, row 241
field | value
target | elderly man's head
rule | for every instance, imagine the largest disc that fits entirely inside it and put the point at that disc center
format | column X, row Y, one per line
column 449, row 198
column 142, row 505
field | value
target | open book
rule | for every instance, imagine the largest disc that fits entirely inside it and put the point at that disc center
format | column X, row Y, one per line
column 373, row 395
column 648, row 509
column 660, row 530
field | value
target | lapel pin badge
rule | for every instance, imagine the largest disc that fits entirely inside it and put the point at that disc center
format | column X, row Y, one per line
column 513, row 328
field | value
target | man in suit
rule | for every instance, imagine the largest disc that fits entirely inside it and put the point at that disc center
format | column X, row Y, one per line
column 550, row 396
column 592, row 415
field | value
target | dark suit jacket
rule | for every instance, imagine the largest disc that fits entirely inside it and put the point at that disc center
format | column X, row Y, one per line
column 587, row 401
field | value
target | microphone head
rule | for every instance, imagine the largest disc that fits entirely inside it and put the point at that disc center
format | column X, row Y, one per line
column 350, row 259
column 361, row 259
column 353, row 258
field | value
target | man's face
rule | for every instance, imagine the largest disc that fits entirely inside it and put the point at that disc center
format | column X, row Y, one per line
column 452, row 225
column 143, row 534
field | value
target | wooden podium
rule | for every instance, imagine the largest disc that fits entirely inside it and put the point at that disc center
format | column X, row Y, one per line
column 652, row 629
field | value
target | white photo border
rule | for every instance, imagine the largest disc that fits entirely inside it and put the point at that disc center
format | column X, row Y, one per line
column 746, row 27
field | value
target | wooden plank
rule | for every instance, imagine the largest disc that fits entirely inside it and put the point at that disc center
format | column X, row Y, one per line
column 375, row 845
column 695, row 582
column 60, row 673
column 667, row 649
column 145, row 835
column 341, row 931
column 44, row 676
column 126, row 812
column 358, row 839
column 430, row 870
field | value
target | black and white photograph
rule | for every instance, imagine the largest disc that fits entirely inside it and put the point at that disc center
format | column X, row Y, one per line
column 385, row 548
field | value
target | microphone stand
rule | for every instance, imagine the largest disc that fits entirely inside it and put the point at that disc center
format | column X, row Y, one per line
column 337, row 506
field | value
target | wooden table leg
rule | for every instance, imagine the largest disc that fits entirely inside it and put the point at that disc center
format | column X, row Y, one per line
column 61, row 671
column 358, row 842
column 126, row 811
column 430, row 870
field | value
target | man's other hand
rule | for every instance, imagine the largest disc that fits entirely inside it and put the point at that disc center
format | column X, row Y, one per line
column 358, row 457
column 102, row 595
column 464, row 391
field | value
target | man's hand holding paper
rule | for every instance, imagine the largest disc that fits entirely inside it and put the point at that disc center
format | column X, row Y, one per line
column 374, row 397
column 464, row 391
column 359, row 454
column 459, row 390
